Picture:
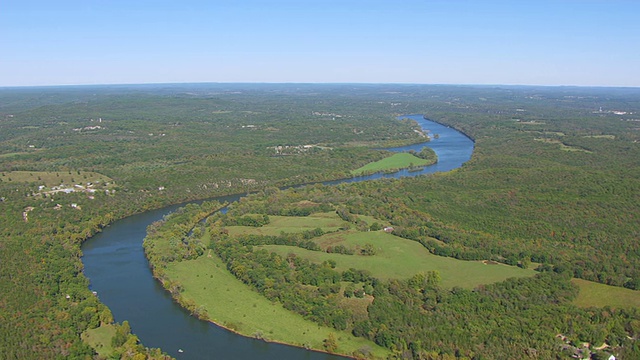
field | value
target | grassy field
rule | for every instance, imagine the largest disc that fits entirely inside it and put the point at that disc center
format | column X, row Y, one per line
column 396, row 161
column 100, row 339
column 232, row 304
column 54, row 178
column 595, row 294
column 289, row 224
column 8, row 155
column 610, row 137
column 563, row 146
column 401, row 258
column 395, row 257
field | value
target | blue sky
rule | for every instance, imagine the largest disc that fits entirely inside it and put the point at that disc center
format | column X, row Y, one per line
column 544, row 42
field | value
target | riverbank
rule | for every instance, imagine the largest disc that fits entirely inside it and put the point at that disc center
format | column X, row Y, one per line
column 119, row 271
column 200, row 283
column 461, row 131
column 231, row 304
column 395, row 163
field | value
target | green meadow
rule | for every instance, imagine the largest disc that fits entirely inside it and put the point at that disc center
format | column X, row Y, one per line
column 54, row 178
column 100, row 339
column 595, row 294
column 232, row 304
column 398, row 258
column 393, row 162
column 395, row 258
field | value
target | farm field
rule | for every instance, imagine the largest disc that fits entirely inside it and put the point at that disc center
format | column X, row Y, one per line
column 232, row 304
column 54, row 178
column 395, row 257
column 595, row 294
column 567, row 203
column 398, row 258
column 393, row 162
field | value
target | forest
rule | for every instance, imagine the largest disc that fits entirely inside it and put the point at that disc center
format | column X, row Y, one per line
column 553, row 185
column 512, row 318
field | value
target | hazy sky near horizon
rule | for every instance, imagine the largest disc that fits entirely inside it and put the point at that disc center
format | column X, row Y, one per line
column 543, row 42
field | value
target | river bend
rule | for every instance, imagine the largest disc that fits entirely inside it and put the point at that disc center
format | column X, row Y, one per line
column 115, row 263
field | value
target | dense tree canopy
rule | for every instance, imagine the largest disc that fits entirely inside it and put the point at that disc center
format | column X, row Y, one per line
column 554, row 182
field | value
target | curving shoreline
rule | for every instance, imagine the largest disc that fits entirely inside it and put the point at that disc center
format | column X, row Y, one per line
column 173, row 283
column 119, row 272
column 449, row 126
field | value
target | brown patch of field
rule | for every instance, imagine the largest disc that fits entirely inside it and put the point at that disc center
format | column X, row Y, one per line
column 330, row 239
column 357, row 306
column 306, row 204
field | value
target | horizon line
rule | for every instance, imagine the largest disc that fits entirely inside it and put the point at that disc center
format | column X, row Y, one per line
column 313, row 83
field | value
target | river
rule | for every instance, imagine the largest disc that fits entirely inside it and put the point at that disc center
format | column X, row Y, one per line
column 114, row 262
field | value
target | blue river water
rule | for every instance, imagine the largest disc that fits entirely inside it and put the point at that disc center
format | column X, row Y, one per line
column 115, row 264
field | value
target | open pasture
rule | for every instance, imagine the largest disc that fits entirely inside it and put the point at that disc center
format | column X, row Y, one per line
column 595, row 294
column 54, row 178
column 232, row 304
column 401, row 258
column 100, row 339
column 393, row 162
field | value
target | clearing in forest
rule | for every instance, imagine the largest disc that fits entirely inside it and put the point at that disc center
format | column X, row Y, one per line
column 398, row 258
column 394, row 162
column 55, row 178
column 100, row 339
column 595, row 294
